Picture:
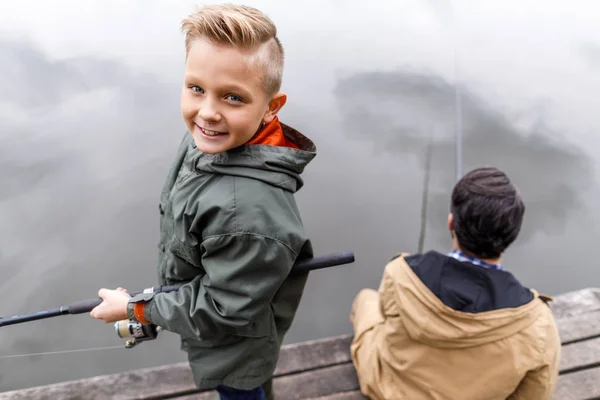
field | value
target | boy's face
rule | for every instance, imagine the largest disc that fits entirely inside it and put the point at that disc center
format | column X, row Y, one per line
column 223, row 101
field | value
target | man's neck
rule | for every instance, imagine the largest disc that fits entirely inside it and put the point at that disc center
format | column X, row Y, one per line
column 496, row 261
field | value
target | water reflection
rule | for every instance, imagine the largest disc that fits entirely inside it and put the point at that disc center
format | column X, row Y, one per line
column 400, row 112
column 82, row 160
column 591, row 54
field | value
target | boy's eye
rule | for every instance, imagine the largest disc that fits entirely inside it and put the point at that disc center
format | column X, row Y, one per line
column 196, row 89
column 235, row 98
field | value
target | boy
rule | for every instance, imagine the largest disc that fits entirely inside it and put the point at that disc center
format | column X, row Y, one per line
column 230, row 227
column 458, row 326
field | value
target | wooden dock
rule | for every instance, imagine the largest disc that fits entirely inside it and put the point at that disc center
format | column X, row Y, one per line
column 322, row 370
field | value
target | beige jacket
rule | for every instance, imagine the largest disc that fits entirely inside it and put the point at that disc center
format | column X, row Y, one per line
column 409, row 345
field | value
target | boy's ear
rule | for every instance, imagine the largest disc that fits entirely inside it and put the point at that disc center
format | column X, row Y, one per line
column 275, row 104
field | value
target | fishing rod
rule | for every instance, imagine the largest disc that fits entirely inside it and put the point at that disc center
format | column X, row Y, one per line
column 458, row 112
column 458, row 134
column 425, row 195
column 140, row 332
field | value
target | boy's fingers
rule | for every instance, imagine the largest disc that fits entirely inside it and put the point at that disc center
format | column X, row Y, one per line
column 101, row 293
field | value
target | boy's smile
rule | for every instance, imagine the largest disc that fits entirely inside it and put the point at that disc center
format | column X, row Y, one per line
column 210, row 133
column 224, row 102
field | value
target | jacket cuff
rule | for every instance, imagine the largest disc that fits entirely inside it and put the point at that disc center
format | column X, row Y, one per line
column 130, row 314
column 142, row 297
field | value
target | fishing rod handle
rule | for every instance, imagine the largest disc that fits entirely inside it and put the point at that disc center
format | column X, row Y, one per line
column 84, row 306
column 329, row 260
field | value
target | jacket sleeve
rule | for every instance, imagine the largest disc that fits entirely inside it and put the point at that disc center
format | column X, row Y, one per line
column 243, row 273
column 540, row 383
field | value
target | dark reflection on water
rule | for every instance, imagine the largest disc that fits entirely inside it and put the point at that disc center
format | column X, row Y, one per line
column 402, row 111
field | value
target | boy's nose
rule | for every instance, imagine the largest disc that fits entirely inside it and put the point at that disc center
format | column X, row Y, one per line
column 208, row 113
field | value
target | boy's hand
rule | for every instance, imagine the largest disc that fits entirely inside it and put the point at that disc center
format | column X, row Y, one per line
column 114, row 305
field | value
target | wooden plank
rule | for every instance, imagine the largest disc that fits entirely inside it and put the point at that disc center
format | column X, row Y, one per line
column 579, row 356
column 314, row 354
column 197, row 396
column 353, row 395
column 320, row 382
column 579, row 327
column 578, row 385
column 139, row 384
column 337, row 382
column 577, row 302
column 210, row 395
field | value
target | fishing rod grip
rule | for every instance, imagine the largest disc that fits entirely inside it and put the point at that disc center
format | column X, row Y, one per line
column 329, row 260
column 84, row 306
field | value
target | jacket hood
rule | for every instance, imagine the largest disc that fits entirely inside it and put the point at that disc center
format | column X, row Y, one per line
column 447, row 303
column 278, row 166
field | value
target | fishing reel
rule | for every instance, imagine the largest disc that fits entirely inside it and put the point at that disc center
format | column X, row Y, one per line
column 137, row 331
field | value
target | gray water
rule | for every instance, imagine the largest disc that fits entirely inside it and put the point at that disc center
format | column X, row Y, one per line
column 89, row 122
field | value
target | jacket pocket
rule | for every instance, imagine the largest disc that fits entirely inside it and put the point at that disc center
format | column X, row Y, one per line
column 182, row 262
column 262, row 326
column 190, row 254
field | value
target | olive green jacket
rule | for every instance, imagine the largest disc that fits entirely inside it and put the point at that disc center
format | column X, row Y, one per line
column 231, row 232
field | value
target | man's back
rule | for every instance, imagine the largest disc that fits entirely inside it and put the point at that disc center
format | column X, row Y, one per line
column 447, row 329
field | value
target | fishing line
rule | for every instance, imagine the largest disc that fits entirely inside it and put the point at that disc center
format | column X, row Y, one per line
column 61, row 352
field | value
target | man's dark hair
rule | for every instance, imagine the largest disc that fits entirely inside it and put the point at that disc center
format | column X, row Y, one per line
column 487, row 211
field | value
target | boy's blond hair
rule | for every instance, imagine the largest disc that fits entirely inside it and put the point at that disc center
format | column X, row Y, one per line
column 243, row 27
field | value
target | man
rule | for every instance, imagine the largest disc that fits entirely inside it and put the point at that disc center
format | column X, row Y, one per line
column 458, row 326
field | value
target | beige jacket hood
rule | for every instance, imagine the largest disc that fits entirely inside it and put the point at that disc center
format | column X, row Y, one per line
column 429, row 321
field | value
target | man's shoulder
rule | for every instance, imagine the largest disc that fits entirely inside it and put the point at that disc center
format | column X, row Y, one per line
column 545, row 330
